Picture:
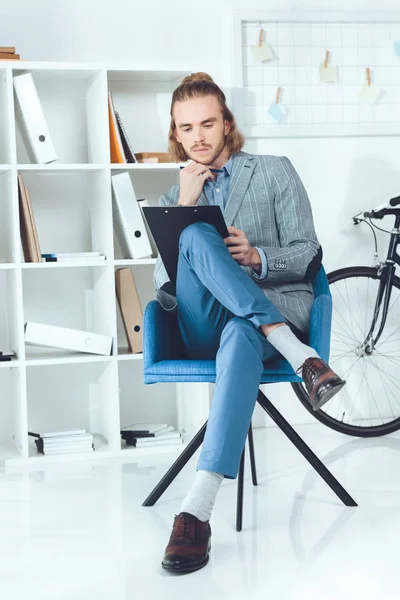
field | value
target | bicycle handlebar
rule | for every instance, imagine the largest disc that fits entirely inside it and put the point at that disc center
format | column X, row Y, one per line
column 379, row 212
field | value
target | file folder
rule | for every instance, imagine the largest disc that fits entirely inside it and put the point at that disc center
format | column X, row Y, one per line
column 40, row 334
column 131, row 311
column 33, row 123
column 129, row 217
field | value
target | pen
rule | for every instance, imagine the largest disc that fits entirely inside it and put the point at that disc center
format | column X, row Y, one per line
column 212, row 170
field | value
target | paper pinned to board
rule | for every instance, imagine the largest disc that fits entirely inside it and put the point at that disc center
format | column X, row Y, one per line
column 370, row 93
column 262, row 51
column 328, row 73
column 277, row 110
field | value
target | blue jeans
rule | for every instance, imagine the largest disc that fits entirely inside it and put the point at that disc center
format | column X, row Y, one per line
column 220, row 310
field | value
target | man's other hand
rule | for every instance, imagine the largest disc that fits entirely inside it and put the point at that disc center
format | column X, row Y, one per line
column 240, row 249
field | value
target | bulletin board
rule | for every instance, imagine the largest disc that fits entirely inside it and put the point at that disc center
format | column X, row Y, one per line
column 364, row 50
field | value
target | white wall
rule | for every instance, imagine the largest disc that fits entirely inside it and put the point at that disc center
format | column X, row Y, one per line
column 342, row 175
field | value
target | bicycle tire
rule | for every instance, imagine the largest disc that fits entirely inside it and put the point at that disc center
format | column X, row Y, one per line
column 320, row 415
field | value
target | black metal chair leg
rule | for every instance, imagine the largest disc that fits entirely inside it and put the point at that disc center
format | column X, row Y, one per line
column 252, row 456
column 178, row 465
column 239, row 503
column 305, row 450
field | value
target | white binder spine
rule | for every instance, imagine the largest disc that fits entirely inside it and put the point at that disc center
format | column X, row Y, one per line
column 69, row 339
column 33, row 123
column 130, row 217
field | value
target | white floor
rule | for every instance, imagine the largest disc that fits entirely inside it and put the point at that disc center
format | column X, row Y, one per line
column 79, row 531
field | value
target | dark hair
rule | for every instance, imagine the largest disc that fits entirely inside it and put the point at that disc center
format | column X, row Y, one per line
column 193, row 86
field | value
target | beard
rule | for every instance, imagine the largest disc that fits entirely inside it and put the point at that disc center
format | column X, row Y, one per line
column 214, row 156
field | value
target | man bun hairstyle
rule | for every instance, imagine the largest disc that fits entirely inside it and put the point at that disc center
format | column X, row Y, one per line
column 194, row 86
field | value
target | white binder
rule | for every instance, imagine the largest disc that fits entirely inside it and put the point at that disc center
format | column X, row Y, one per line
column 40, row 334
column 33, row 123
column 129, row 216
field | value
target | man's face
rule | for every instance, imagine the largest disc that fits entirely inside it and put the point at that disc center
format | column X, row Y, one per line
column 200, row 128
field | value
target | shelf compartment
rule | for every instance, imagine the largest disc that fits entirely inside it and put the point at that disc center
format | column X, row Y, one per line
column 140, row 403
column 81, row 299
column 143, row 278
column 74, row 103
column 72, row 210
column 78, row 396
column 143, row 102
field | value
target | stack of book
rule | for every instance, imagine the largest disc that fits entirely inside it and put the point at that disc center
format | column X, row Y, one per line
column 73, row 257
column 63, row 442
column 8, row 53
column 148, row 435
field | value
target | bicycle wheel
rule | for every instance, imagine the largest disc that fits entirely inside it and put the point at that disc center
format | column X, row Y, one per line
column 369, row 403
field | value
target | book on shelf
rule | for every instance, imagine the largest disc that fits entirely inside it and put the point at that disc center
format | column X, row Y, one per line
column 59, row 434
column 157, row 434
column 129, row 221
column 9, row 55
column 63, row 450
column 146, row 429
column 131, row 310
column 61, row 442
column 126, row 145
column 34, row 128
column 145, row 441
column 6, row 355
column 7, row 49
column 28, row 231
column 155, row 442
column 116, row 149
column 153, row 157
column 40, row 334
column 72, row 256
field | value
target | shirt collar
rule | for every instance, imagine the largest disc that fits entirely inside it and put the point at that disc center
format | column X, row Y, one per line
column 228, row 166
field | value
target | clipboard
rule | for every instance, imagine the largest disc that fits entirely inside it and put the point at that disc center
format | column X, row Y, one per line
column 167, row 223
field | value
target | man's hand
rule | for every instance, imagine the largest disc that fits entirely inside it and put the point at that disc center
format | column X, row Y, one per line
column 192, row 179
column 241, row 251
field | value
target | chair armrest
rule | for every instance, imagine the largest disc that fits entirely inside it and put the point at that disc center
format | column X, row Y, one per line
column 161, row 336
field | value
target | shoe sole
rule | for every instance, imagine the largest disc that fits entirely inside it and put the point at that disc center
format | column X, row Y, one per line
column 327, row 395
column 184, row 570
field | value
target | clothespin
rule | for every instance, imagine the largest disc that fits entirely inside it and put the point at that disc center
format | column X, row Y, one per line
column 368, row 73
column 326, row 59
column 260, row 38
column 278, row 93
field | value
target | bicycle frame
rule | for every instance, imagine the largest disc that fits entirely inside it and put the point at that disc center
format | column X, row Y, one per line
column 386, row 273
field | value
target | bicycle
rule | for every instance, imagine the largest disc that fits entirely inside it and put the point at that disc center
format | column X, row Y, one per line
column 365, row 340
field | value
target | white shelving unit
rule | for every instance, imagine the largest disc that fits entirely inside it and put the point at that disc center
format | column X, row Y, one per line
column 72, row 203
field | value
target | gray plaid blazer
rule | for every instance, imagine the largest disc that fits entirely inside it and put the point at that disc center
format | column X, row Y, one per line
column 267, row 201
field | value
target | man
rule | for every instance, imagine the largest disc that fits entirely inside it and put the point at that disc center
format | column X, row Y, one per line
column 243, row 300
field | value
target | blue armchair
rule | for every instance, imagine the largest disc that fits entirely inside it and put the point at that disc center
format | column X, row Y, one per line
column 165, row 361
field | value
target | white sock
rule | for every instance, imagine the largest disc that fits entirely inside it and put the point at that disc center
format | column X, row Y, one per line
column 201, row 497
column 295, row 352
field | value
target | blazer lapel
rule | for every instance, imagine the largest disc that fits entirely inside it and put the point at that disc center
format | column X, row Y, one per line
column 242, row 171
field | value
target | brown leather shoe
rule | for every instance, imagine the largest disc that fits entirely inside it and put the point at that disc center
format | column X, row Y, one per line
column 189, row 545
column 320, row 381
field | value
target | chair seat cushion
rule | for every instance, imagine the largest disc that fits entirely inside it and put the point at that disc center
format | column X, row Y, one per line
column 204, row 371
